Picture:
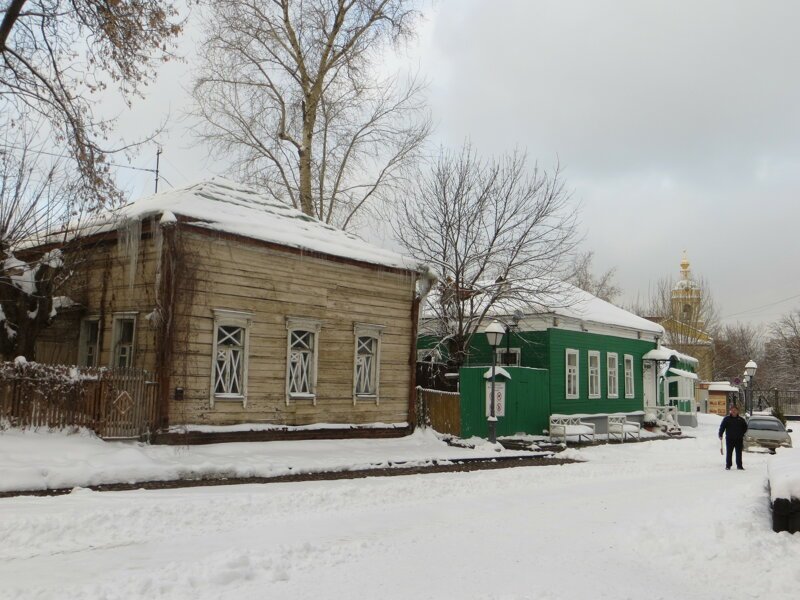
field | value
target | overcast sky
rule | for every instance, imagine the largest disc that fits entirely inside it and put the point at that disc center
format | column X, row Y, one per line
column 678, row 124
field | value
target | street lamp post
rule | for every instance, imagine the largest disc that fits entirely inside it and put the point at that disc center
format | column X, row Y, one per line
column 750, row 373
column 744, row 386
column 494, row 335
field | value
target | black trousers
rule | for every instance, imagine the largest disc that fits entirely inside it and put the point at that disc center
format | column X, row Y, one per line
column 730, row 446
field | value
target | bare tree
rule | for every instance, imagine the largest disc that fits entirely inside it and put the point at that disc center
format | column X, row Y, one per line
column 583, row 277
column 286, row 90
column 495, row 231
column 38, row 196
column 55, row 55
column 734, row 346
column 781, row 365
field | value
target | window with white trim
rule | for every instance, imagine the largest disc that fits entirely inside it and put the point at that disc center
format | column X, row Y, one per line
column 573, row 378
column 508, row 357
column 594, row 374
column 88, row 344
column 230, row 355
column 302, row 355
column 122, row 339
column 629, row 390
column 612, row 366
column 366, row 368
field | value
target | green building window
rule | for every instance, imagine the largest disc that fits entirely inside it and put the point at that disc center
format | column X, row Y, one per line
column 594, row 374
column 572, row 374
column 612, row 364
column 629, row 391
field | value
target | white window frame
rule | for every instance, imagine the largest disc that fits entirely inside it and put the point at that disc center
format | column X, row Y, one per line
column 230, row 318
column 612, row 375
column 362, row 330
column 115, row 333
column 594, row 375
column 630, row 391
column 82, row 342
column 517, row 352
column 303, row 324
column 576, row 373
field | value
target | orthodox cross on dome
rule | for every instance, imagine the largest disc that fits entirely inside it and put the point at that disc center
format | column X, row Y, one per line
column 685, row 273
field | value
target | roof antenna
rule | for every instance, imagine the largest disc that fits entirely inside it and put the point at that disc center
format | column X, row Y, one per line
column 158, row 158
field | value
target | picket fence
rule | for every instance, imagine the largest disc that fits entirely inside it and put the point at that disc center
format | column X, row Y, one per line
column 117, row 403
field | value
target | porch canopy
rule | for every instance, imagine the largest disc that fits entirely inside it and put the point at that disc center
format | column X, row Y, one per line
column 678, row 379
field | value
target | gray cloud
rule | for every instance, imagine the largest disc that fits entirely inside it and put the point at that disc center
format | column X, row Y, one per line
column 678, row 124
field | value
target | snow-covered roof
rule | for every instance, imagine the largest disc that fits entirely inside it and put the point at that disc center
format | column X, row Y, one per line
column 497, row 371
column 664, row 353
column 562, row 299
column 222, row 205
column 682, row 373
column 722, row 386
column 580, row 304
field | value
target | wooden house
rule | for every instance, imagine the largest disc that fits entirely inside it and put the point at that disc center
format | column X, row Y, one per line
column 585, row 357
column 245, row 310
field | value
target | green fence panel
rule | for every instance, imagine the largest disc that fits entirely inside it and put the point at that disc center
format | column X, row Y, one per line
column 527, row 406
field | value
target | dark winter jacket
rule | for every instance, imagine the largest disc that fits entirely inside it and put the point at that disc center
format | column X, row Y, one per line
column 733, row 427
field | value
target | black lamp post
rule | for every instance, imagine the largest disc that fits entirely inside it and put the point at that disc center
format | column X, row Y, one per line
column 750, row 374
column 494, row 334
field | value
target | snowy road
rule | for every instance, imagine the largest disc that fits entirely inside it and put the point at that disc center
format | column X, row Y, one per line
column 652, row 520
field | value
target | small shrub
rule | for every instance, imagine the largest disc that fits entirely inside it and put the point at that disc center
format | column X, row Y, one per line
column 777, row 412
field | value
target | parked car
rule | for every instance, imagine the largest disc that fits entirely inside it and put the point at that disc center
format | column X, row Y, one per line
column 766, row 432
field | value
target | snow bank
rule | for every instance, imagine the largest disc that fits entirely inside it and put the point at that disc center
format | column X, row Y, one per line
column 37, row 460
column 784, row 474
column 658, row 520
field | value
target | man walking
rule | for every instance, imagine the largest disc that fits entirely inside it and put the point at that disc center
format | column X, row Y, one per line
column 734, row 428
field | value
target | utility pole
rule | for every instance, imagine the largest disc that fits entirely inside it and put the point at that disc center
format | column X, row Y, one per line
column 158, row 159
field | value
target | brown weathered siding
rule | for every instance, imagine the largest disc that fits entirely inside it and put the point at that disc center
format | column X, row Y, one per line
column 216, row 271
column 100, row 288
column 274, row 285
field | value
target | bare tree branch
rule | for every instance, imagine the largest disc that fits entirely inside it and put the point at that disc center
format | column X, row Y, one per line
column 286, row 90
column 495, row 231
column 55, row 55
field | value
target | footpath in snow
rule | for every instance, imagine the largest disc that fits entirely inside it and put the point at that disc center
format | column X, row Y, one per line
column 656, row 520
column 34, row 460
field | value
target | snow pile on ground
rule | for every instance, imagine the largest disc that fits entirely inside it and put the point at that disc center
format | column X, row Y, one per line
column 784, row 474
column 37, row 460
column 661, row 520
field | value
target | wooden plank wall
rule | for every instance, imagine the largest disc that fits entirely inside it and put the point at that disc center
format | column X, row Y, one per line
column 216, row 272
column 100, row 288
column 274, row 285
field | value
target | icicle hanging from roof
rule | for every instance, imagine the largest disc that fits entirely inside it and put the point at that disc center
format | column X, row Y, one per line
column 130, row 233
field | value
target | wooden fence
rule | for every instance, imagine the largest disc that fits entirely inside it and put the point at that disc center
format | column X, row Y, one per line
column 115, row 403
column 440, row 410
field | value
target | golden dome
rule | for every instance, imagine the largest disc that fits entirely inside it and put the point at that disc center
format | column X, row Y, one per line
column 685, row 262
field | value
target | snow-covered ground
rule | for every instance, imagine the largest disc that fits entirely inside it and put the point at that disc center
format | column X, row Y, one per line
column 657, row 520
column 35, row 460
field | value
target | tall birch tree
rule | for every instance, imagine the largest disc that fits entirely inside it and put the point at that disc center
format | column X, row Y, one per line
column 289, row 91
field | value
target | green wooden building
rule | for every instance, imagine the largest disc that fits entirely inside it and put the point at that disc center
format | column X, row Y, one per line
column 585, row 357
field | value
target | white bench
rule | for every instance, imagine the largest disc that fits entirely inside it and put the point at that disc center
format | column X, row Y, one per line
column 561, row 426
column 619, row 428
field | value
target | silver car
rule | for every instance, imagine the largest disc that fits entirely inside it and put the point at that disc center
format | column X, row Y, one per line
column 766, row 432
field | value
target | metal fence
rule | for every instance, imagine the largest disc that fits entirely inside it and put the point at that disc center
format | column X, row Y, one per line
column 787, row 400
column 116, row 403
